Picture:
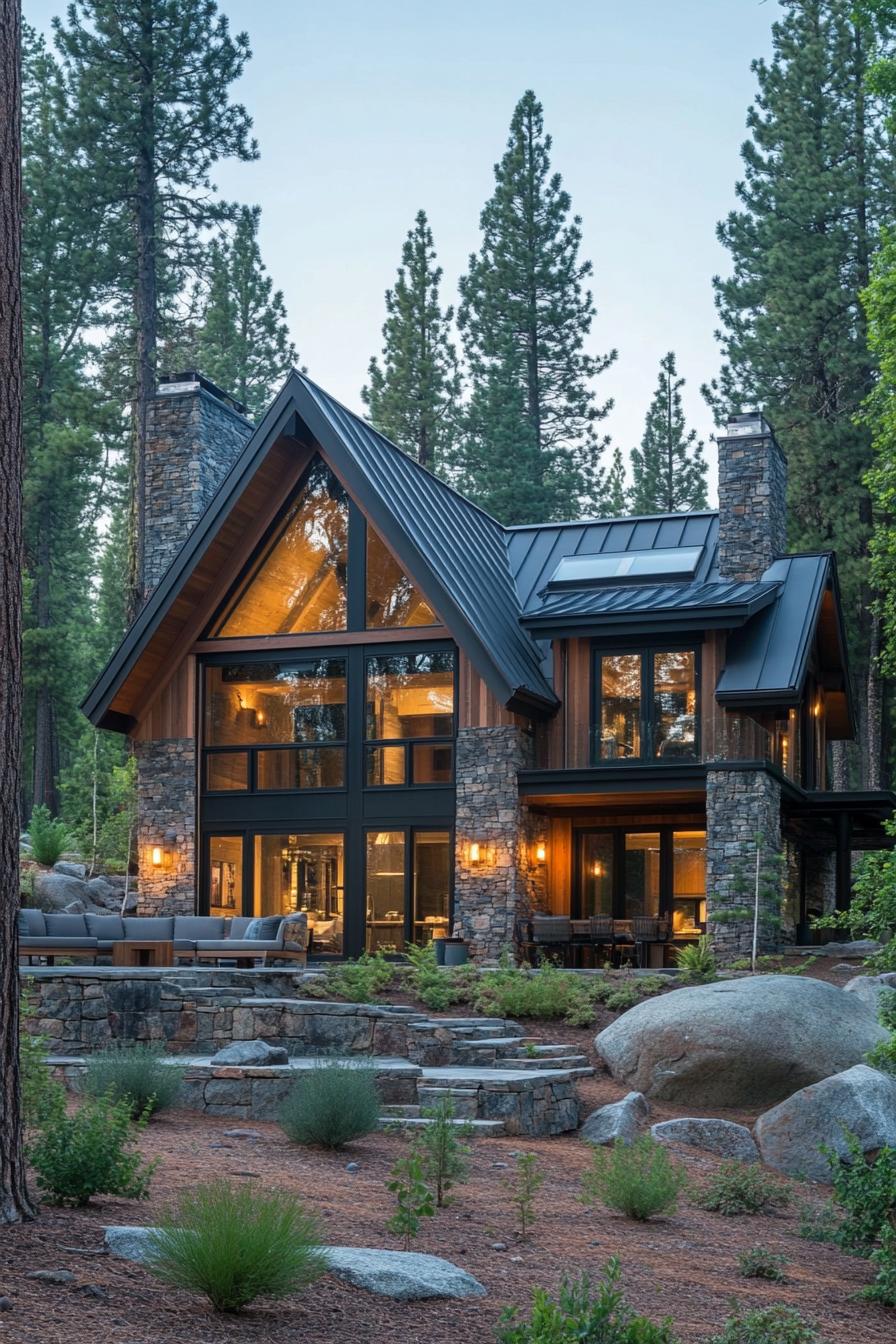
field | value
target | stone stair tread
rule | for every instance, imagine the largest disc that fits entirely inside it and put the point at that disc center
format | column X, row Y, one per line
column 551, row 1062
column 421, row 1122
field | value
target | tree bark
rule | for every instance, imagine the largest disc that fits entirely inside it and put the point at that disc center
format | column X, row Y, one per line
column 14, row 1201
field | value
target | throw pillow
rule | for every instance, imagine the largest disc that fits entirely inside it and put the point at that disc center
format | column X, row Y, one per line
column 263, row 930
column 295, row 932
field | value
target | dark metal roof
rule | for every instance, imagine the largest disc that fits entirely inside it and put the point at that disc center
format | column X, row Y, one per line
column 766, row 659
column 705, row 604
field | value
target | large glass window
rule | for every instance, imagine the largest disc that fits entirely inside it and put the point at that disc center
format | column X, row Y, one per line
column 646, row 705
column 303, row 872
column 300, row 584
column 392, row 599
column 688, row 883
column 432, row 862
column 225, row 858
column 596, row 876
column 385, row 884
column 642, row 873
column 410, row 715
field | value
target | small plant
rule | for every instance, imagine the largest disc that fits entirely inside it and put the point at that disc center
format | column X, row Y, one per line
column 883, row 1289
column 638, row 1179
column 767, row 1325
column 696, row 962
column 91, row 1152
column 759, row 1263
column 818, row 1222
column 442, row 1149
column 741, row 1187
column 234, row 1244
column 866, row 1191
column 623, row 998
column 331, row 1105
column 413, row 1197
column 360, row 981
column 531, row 1050
column 523, row 1186
column 548, row 992
column 581, row 1313
column 49, row 837
column 135, row 1072
column 42, row 1096
column 883, row 1056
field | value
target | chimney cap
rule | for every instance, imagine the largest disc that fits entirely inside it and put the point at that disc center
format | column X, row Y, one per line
column 746, row 424
column 171, row 384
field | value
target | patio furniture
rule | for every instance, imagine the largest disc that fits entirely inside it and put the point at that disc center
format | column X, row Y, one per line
column 649, row 933
column 522, row 938
column 552, row 933
column 601, row 935
column 142, row 952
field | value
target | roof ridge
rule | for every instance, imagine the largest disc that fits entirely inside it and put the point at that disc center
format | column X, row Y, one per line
column 618, row 518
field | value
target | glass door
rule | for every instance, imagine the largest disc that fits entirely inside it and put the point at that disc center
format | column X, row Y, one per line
column 225, row 875
column 408, row 880
column 596, row 873
column 641, row 874
column 305, row 872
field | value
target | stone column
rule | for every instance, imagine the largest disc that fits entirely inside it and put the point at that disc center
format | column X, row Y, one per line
column 508, row 880
column 166, row 819
column 743, row 809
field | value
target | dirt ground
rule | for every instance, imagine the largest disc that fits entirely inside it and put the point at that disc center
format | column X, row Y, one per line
column 683, row 1266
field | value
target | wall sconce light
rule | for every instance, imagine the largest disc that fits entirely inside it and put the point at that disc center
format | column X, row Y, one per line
column 597, row 869
column 157, row 856
column 541, row 851
column 474, row 851
column 161, row 855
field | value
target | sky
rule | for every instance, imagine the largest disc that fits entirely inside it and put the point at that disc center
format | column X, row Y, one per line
column 365, row 113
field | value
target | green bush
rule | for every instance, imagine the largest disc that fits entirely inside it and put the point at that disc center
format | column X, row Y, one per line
column 42, row 1096
column 638, row 1179
column 236, row 1243
column 134, row 1072
column 360, row 981
column 331, row 1105
column 883, row 1056
column 883, row 1289
column 866, row 1191
column 872, row 908
column 767, row 1325
column 49, row 837
column 435, row 987
column 91, row 1152
column 741, row 1187
column 547, row 992
column 759, row 1263
column 696, row 962
column 580, row 1313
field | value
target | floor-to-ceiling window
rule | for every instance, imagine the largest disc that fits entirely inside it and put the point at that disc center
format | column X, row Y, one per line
column 408, row 881
column 628, row 872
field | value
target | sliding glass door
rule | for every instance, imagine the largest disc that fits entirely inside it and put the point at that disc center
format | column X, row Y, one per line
column 408, row 883
column 628, row 873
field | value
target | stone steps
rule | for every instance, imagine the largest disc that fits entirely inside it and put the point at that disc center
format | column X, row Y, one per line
column 481, row 1128
column 575, row 1064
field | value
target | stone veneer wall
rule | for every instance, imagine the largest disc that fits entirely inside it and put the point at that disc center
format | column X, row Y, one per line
column 508, row 881
column 166, row 802
column 752, row 502
column 741, row 805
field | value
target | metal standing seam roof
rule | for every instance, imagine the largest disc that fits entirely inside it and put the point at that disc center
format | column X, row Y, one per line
column 728, row 603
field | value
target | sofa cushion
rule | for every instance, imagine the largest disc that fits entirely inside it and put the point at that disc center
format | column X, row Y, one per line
column 149, row 928
column 39, row 944
column 110, row 928
column 198, row 926
column 236, row 927
column 66, row 926
column 294, row 933
column 238, row 947
column 31, row 924
column 266, row 928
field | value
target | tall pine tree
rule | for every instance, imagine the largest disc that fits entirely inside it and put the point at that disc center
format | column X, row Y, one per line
column 818, row 180
column 531, row 451
column 150, row 81
column 243, row 341
column 413, row 397
column 615, row 497
column 668, row 470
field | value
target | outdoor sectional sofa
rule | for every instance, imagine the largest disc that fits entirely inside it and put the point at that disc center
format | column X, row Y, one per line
column 195, row 937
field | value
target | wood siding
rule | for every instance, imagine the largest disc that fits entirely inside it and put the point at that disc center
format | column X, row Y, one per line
column 172, row 711
column 478, row 707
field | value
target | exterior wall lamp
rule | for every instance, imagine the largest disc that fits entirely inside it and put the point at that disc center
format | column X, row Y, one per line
column 541, row 852
column 161, row 855
column 475, row 856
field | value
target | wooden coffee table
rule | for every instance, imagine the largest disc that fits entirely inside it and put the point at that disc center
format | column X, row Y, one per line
column 142, row 952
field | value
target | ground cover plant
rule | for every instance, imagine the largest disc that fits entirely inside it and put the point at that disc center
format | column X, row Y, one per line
column 584, row 1311
column 359, row 981
column 91, row 1151
column 136, row 1073
column 741, row 1187
column 639, row 1179
column 758, row 1263
column 331, row 1105
column 767, row 1325
column 236, row 1243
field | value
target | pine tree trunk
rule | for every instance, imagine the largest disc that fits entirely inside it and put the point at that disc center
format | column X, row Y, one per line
column 145, row 303
column 14, row 1201
column 45, row 767
column 874, row 700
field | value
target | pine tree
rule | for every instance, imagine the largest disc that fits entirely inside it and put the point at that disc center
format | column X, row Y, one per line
column 668, row 470
column 150, row 81
column 413, row 397
column 531, row 450
column 818, row 180
column 615, row 503
column 242, row 342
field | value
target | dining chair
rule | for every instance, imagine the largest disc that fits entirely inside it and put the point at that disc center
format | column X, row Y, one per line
column 552, row 932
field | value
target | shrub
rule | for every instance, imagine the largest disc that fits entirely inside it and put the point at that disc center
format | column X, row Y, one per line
column 432, row 984
column 42, row 1096
column 135, row 1073
column 696, row 962
column 523, row 1186
column 759, row 1263
column 872, row 908
column 767, row 1325
column 360, row 981
column 413, row 1197
column 623, row 998
column 235, row 1243
column 883, row 1289
column 331, row 1105
column 48, row 836
column 741, row 1187
column 883, row 1056
column 442, row 1149
column 867, row 1193
column 580, row 1313
column 91, row 1152
column 638, row 1179
column 548, row 992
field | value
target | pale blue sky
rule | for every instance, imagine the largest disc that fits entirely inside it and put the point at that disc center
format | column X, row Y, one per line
column 366, row 112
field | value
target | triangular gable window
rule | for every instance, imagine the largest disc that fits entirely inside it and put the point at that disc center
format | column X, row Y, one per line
column 301, row 584
column 392, row 600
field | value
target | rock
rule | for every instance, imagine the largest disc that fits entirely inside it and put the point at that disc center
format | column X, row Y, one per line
column 722, row 1137
column 747, row 1042
column 618, row 1120
column 861, row 1100
column 251, row 1052
column 94, row 1290
column 352, row 1166
column 405, row 1276
column 242, row 1134
column 873, row 990
column 5, row 1304
column 862, row 947
column 499, row 1245
column 101, row 890
column 130, row 1243
column 71, row 870
column 54, row 891
column 52, row 1275
column 75, row 908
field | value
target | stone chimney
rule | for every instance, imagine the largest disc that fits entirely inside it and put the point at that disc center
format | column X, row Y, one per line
column 752, row 497
column 195, row 432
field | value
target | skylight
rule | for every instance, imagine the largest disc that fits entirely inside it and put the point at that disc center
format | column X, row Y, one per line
column 619, row 567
